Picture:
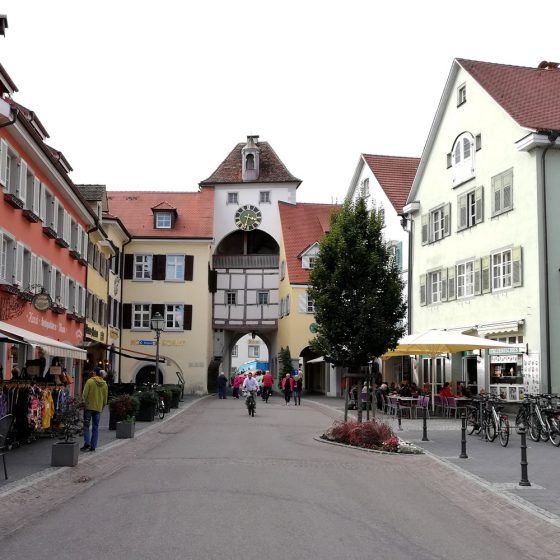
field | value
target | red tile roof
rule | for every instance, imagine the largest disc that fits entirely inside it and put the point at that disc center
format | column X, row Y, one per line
column 195, row 212
column 302, row 225
column 531, row 96
column 395, row 175
column 272, row 170
column 164, row 205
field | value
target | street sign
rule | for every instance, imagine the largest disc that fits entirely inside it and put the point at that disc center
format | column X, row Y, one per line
column 147, row 342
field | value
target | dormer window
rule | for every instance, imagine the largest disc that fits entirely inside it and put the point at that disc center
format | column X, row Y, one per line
column 462, row 159
column 250, row 162
column 163, row 220
column 309, row 256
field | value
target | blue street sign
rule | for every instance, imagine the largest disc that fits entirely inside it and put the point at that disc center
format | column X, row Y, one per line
column 147, row 342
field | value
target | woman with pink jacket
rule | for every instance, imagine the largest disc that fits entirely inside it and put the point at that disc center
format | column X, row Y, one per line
column 287, row 387
column 236, row 384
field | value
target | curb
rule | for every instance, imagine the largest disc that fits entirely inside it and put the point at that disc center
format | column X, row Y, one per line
column 377, row 451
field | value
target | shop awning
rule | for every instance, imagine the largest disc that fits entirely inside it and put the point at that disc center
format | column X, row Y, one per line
column 49, row 345
column 316, row 360
column 504, row 327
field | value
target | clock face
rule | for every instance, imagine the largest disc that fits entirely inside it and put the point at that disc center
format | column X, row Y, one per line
column 248, row 217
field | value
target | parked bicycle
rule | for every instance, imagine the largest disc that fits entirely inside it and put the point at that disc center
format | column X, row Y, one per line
column 484, row 417
column 524, row 412
column 160, row 402
column 544, row 419
column 250, row 402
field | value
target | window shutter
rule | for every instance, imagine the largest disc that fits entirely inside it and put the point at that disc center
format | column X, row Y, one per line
column 212, row 280
column 398, row 255
column 39, row 279
column 18, row 272
column 158, row 308
column 462, row 212
column 52, row 287
column 3, row 162
column 478, row 142
column 36, row 196
column 85, row 241
column 446, row 220
column 422, row 289
column 21, row 191
column 187, row 317
column 76, row 299
column 496, row 194
column 425, row 221
column 449, row 160
column 451, row 288
column 158, row 267
column 82, row 301
column 67, row 292
column 517, row 264
column 476, row 267
column 67, row 227
column 54, row 218
column 189, row 267
column 479, row 205
column 127, row 316
column 43, row 203
column 302, row 303
column 128, row 266
column 444, row 284
column 486, row 287
column 33, row 273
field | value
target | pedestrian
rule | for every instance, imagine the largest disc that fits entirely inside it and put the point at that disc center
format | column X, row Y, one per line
column 236, row 384
column 298, row 386
column 287, row 387
column 95, row 395
column 222, row 384
column 267, row 385
column 259, row 378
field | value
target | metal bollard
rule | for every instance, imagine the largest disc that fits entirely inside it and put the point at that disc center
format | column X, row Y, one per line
column 463, row 437
column 425, row 424
column 399, row 415
column 524, row 477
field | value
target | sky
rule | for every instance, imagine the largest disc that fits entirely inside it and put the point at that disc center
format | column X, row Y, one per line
column 143, row 95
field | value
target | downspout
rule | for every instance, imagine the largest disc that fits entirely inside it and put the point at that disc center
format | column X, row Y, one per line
column 552, row 137
column 16, row 112
column 121, row 264
column 406, row 221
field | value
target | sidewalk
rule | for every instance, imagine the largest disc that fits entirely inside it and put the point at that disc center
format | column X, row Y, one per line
column 34, row 459
column 489, row 463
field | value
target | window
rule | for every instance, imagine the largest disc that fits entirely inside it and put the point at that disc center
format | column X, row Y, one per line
column 282, row 270
column 163, row 220
column 141, row 315
column 436, row 224
column 264, row 197
column 253, row 351
column 461, row 95
column 395, row 252
column 175, row 267
column 502, row 192
column 234, row 351
column 434, row 286
column 310, row 304
column 501, row 270
column 6, row 263
column 174, row 316
column 142, row 267
column 262, row 298
column 364, row 188
column 232, row 198
column 231, row 298
column 462, row 159
column 470, row 209
column 308, row 261
column 250, row 162
column 288, row 305
column 465, row 279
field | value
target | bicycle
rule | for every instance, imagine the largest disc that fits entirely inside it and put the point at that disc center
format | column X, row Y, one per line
column 523, row 414
column 485, row 419
column 544, row 420
column 251, row 403
column 160, row 402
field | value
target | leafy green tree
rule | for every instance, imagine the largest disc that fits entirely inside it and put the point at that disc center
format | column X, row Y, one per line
column 285, row 361
column 357, row 289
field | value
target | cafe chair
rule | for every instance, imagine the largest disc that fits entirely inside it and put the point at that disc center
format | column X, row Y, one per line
column 406, row 408
column 5, row 427
column 439, row 403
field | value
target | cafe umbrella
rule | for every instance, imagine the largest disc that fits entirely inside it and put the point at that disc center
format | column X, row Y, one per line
column 434, row 342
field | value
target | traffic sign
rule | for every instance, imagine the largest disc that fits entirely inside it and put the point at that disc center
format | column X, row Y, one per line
column 147, row 342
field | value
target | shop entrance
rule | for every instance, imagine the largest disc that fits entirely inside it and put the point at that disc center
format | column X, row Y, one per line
column 146, row 375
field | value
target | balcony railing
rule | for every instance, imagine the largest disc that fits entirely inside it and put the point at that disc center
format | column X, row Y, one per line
column 245, row 261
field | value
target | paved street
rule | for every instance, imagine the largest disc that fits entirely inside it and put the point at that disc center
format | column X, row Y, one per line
column 213, row 483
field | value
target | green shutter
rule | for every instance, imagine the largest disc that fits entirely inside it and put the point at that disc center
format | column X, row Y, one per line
column 422, row 289
column 447, row 220
column 477, row 287
column 486, row 287
column 479, row 205
column 398, row 255
column 517, row 267
column 451, row 288
column 425, row 220
column 461, row 212
column 444, row 284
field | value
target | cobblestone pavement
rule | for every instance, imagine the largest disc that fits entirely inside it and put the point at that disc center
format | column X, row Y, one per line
column 489, row 464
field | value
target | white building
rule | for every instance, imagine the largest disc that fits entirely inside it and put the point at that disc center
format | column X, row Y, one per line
column 484, row 229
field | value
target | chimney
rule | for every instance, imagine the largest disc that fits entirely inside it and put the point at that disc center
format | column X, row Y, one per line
column 3, row 24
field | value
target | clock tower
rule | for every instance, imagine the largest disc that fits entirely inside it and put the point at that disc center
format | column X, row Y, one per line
column 250, row 159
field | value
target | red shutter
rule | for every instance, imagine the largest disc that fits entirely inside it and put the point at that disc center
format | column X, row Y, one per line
column 189, row 266
column 128, row 266
column 187, row 317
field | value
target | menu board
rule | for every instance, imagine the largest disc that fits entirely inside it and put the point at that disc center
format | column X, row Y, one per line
column 532, row 373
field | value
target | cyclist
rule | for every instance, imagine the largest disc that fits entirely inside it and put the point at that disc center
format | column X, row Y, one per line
column 250, row 385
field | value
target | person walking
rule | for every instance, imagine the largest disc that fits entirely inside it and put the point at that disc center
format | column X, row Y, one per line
column 267, row 385
column 222, row 384
column 95, row 396
column 298, row 387
column 287, row 387
column 236, row 384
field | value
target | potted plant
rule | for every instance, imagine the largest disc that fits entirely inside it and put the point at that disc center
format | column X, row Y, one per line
column 125, row 428
column 121, row 407
column 70, row 423
column 175, row 395
column 147, row 400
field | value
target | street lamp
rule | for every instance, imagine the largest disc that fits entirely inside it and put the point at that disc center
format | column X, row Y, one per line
column 158, row 323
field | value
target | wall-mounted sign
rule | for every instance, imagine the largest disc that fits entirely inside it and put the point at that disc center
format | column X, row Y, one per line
column 147, row 342
column 41, row 302
column 313, row 327
column 518, row 349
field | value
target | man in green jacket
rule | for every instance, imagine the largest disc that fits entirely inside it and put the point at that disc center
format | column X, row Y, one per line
column 95, row 397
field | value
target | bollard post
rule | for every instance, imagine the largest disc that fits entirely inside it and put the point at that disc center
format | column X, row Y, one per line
column 425, row 424
column 463, row 437
column 399, row 415
column 524, row 477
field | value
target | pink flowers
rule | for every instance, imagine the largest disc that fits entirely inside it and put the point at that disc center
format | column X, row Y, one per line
column 391, row 445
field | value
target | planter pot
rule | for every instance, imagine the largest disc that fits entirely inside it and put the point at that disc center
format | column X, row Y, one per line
column 113, row 419
column 125, row 430
column 175, row 400
column 65, row 454
column 146, row 413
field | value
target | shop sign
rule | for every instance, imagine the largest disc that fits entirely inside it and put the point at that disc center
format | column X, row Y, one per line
column 313, row 328
column 162, row 342
column 42, row 302
column 519, row 349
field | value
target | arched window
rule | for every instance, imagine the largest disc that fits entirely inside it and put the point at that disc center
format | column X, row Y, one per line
column 463, row 159
column 250, row 162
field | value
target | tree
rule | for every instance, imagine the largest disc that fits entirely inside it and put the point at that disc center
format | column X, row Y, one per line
column 357, row 289
column 285, row 361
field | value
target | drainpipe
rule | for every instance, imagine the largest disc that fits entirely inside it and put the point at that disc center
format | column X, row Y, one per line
column 405, row 221
column 552, row 137
column 16, row 112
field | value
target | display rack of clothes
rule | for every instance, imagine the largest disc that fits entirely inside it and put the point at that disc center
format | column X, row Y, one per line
column 34, row 408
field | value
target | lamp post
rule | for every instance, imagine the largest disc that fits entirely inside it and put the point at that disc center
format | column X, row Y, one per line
column 158, row 323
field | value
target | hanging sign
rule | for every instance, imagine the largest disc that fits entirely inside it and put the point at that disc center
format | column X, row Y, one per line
column 41, row 302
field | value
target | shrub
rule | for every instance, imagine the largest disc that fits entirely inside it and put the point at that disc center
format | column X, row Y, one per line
column 124, row 406
column 392, row 445
column 371, row 434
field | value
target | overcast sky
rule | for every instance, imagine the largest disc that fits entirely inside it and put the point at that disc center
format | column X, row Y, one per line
column 154, row 95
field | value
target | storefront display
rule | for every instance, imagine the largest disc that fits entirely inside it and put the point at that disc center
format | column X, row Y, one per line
column 507, row 372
